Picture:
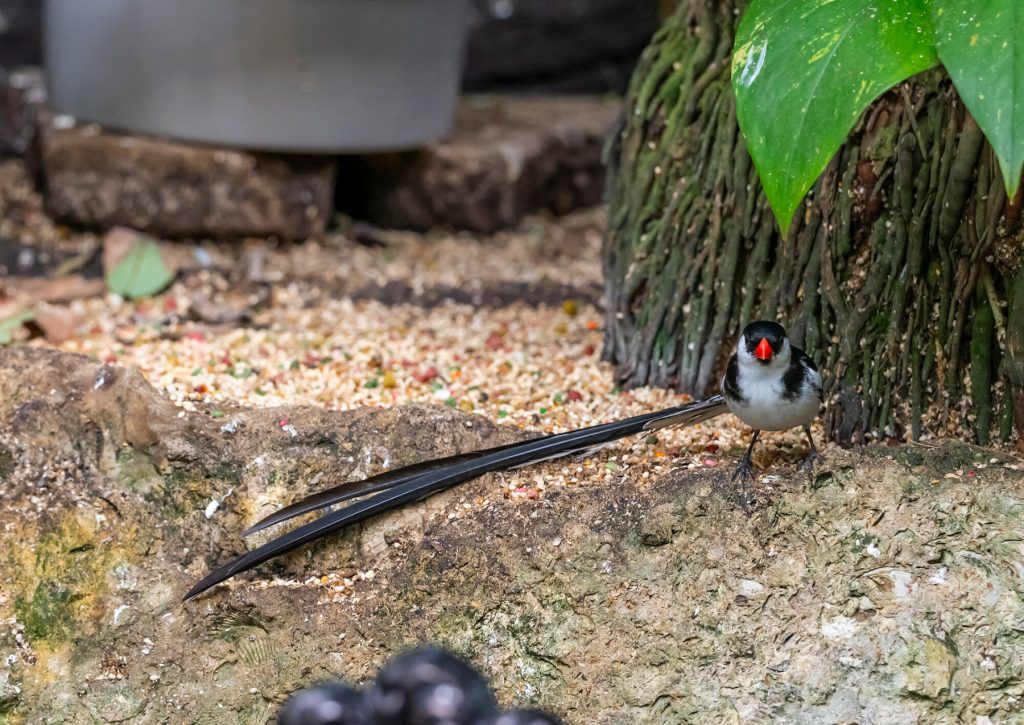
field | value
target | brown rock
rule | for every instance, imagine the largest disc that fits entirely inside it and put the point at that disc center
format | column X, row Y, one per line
column 58, row 323
column 505, row 158
column 95, row 177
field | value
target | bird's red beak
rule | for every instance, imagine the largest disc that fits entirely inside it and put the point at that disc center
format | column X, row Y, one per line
column 763, row 351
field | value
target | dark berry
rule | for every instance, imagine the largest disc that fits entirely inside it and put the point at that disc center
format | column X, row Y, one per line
column 330, row 703
column 430, row 687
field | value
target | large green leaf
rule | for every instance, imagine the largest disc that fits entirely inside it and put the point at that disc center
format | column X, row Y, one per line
column 804, row 71
column 980, row 43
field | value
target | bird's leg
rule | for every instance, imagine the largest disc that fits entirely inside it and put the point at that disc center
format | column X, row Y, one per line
column 745, row 471
column 811, row 457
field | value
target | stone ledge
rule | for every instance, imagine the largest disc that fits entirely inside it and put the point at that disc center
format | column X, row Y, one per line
column 99, row 178
column 506, row 157
column 882, row 586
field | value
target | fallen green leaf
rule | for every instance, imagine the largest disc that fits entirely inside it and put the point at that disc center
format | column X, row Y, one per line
column 141, row 273
column 11, row 323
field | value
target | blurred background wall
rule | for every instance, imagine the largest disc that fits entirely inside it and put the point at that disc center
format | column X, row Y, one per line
column 574, row 46
column 562, row 46
column 20, row 32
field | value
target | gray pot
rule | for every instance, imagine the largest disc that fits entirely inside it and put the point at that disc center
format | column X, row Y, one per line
column 286, row 75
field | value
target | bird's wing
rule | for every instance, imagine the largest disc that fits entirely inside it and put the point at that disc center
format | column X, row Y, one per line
column 810, row 371
column 396, row 488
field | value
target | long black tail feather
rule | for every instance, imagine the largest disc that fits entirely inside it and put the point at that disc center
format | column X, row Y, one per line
column 396, row 488
column 373, row 484
column 689, row 414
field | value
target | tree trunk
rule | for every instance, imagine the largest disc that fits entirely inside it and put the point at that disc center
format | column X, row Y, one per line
column 901, row 276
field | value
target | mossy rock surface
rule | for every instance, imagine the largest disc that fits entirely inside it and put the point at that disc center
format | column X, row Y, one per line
column 888, row 588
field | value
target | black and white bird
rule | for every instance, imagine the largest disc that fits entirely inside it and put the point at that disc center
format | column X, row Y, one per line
column 769, row 384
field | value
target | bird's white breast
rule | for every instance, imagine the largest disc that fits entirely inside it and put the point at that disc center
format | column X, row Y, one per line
column 765, row 407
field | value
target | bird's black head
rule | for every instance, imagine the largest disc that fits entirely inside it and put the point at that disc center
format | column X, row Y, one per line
column 764, row 340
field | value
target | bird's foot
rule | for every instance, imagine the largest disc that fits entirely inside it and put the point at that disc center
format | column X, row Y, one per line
column 807, row 463
column 744, row 472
